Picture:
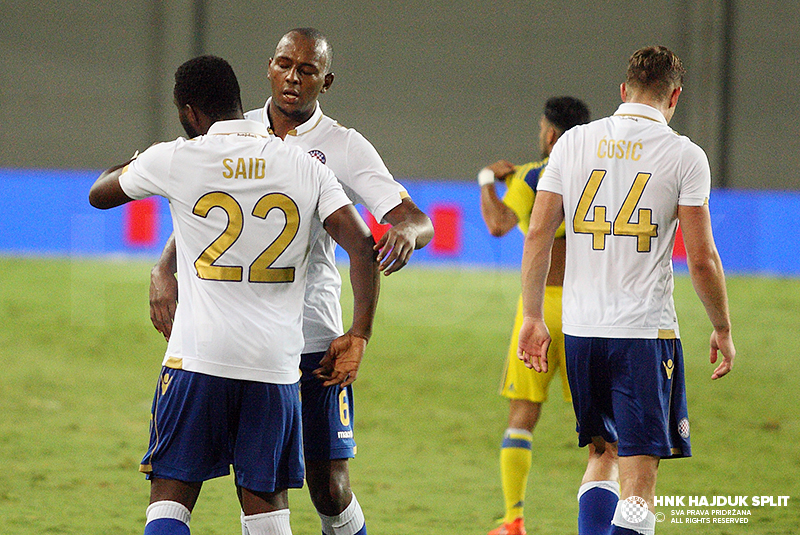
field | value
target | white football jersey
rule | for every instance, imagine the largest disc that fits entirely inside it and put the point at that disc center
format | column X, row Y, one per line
column 243, row 205
column 367, row 181
column 622, row 179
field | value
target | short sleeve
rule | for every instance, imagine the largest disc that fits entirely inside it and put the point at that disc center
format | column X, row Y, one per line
column 369, row 179
column 148, row 174
column 331, row 194
column 696, row 178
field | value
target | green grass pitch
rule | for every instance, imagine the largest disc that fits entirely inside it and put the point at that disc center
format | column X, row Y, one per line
column 80, row 361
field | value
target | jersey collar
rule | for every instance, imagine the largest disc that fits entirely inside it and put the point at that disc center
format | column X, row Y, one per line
column 641, row 111
column 299, row 130
column 238, row 126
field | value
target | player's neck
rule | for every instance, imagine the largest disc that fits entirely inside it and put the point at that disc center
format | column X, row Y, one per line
column 282, row 123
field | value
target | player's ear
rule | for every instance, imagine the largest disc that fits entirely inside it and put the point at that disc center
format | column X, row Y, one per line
column 673, row 98
column 191, row 115
column 328, row 82
column 552, row 135
column 623, row 92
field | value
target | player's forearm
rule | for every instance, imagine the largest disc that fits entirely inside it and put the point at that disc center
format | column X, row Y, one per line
column 168, row 262
column 365, row 281
column 547, row 215
column 106, row 192
column 708, row 280
column 535, row 266
column 347, row 228
column 498, row 217
column 705, row 266
column 408, row 215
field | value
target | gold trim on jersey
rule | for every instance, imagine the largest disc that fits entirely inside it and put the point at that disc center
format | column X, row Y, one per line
column 145, row 468
column 666, row 334
column 176, row 363
column 637, row 116
column 293, row 131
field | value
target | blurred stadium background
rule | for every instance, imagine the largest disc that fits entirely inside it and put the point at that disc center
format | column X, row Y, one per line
column 441, row 89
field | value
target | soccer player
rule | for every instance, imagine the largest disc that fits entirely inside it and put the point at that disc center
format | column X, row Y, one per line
column 526, row 390
column 623, row 183
column 243, row 206
column 298, row 73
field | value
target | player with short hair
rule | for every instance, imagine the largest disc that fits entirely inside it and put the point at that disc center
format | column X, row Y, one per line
column 623, row 183
column 526, row 390
column 244, row 208
column 299, row 72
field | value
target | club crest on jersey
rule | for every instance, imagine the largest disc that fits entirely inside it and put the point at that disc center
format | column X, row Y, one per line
column 318, row 154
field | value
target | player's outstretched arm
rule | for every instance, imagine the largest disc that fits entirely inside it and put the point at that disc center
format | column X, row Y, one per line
column 499, row 218
column 411, row 229
column 106, row 192
column 340, row 365
column 164, row 289
column 534, row 338
column 708, row 279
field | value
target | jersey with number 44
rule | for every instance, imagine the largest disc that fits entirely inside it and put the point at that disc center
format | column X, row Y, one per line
column 621, row 179
column 242, row 205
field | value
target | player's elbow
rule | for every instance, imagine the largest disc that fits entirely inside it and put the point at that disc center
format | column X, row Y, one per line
column 704, row 266
column 496, row 230
column 97, row 198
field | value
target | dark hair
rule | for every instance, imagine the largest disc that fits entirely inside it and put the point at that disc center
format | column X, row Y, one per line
column 655, row 69
column 566, row 112
column 208, row 84
column 316, row 35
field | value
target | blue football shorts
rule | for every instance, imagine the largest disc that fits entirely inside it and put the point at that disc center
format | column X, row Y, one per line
column 630, row 391
column 201, row 425
column 327, row 415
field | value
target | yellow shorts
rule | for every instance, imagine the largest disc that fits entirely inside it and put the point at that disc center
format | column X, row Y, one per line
column 520, row 382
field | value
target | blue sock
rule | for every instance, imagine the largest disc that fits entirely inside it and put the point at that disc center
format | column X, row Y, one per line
column 597, row 502
column 616, row 530
column 167, row 518
column 166, row 526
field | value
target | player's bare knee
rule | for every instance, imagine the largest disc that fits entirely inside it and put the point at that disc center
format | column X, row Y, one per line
column 329, row 486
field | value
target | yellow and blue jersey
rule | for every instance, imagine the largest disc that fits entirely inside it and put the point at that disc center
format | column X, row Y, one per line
column 521, row 193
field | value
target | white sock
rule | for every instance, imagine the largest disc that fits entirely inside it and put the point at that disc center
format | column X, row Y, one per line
column 244, row 524
column 645, row 527
column 348, row 522
column 273, row 523
column 612, row 486
column 168, row 509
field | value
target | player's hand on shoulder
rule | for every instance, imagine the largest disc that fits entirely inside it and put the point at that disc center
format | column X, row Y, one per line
column 163, row 299
column 722, row 342
column 396, row 247
column 502, row 169
column 340, row 364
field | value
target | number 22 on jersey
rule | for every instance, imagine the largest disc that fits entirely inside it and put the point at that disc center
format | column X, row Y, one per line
column 599, row 227
column 261, row 269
